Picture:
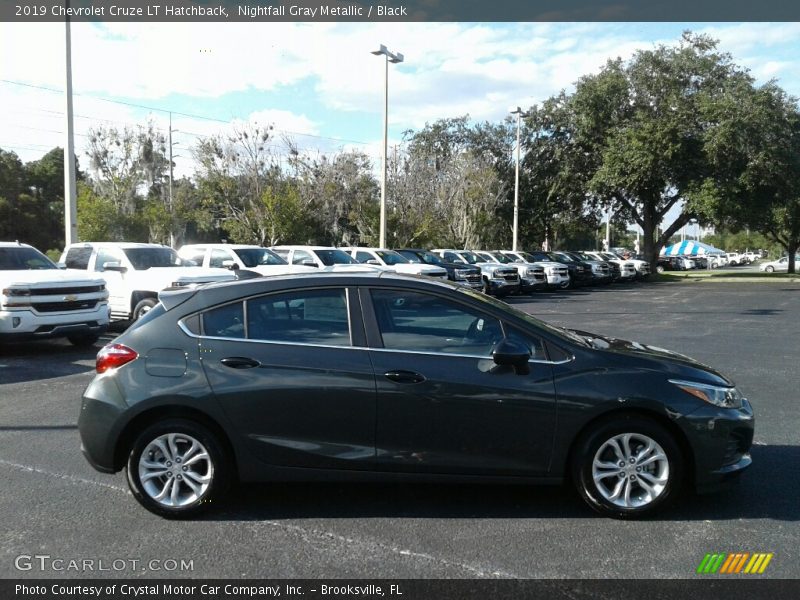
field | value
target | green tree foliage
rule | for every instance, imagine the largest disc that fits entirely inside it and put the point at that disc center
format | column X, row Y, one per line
column 646, row 127
column 758, row 154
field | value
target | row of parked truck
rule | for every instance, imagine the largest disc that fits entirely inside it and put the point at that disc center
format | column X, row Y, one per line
column 96, row 282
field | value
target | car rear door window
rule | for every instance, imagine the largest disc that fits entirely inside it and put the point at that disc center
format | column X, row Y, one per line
column 78, row 258
column 218, row 257
column 419, row 322
column 307, row 317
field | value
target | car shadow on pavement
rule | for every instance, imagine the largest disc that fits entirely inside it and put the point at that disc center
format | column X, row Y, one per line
column 766, row 491
column 35, row 361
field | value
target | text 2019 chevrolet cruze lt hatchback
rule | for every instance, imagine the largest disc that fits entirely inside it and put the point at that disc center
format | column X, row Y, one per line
column 380, row 377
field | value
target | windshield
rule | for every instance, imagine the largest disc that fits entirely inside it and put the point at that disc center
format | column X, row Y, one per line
column 23, row 259
column 335, row 257
column 390, row 257
column 255, row 257
column 470, row 257
column 500, row 257
column 526, row 256
column 146, row 258
column 563, row 257
column 553, row 329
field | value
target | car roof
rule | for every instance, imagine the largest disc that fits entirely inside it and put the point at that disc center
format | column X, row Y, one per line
column 217, row 245
column 294, row 247
column 117, row 245
column 14, row 245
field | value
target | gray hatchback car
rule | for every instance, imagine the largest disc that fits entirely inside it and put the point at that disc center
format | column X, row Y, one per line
column 366, row 376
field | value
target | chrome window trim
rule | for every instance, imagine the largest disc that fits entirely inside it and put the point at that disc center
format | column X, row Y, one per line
column 183, row 327
column 245, row 301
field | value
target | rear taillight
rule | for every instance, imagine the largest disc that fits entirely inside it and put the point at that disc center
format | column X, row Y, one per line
column 113, row 356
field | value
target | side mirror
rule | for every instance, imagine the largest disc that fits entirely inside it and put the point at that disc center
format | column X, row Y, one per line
column 61, row 265
column 229, row 264
column 309, row 263
column 373, row 261
column 114, row 266
column 512, row 354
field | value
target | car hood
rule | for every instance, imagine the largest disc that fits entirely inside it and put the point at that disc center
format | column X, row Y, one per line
column 47, row 277
column 680, row 364
column 419, row 269
column 182, row 274
column 352, row 268
column 269, row 270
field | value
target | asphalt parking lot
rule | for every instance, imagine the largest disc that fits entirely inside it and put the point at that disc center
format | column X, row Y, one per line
column 52, row 503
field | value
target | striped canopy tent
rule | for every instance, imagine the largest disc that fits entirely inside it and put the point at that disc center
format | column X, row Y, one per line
column 690, row 248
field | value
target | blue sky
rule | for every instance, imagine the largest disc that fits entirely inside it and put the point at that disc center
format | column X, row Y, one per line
column 318, row 83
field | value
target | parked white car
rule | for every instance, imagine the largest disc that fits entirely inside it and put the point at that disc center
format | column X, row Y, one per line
column 38, row 300
column 324, row 258
column 240, row 256
column 498, row 279
column 395, row 261
column 626, row 268
column 778, row 266
column 533, row 275
column 135, row 273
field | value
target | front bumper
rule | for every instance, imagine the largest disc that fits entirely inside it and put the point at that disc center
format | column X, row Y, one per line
column 30, row 325
column 720, row 439
column 531, row 284
column 503, row 286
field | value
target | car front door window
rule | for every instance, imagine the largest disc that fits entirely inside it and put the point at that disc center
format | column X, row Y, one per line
column 417, row 322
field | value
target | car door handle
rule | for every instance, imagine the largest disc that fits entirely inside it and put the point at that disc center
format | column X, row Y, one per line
column 404, row 377
column 240, row 362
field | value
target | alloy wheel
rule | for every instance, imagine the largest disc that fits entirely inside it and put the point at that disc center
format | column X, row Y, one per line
column 630, row 470
column 175, row 470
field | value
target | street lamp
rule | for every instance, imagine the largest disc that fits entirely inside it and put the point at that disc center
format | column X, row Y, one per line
column 394, row 58
column 520, row 113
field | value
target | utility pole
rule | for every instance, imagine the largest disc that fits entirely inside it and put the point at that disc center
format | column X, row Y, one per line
column 70, row 186
column 515, row 226
column 171, row 205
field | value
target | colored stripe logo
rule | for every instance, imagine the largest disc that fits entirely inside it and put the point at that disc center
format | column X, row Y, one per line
column 736, row 562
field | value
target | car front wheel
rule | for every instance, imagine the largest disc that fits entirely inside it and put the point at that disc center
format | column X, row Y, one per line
column 769, row 269
column 177, row 468
column 628, row 468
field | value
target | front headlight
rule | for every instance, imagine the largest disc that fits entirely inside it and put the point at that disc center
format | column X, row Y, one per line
column 16, row 292
column 723, row 397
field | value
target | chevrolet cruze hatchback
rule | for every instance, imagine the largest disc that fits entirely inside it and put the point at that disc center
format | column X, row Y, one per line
column 378, row 376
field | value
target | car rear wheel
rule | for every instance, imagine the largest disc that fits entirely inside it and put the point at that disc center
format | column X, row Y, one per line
column 177, row 468
column 627, row 468
column 143, row 307
column 660, row 269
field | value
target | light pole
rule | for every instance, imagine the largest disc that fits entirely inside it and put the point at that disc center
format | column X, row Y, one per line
column 394, row 58
column 70, row 189
column 520, row 113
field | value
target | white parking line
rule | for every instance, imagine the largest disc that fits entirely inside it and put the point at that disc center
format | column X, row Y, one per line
column 303, row 532
column 70, row 478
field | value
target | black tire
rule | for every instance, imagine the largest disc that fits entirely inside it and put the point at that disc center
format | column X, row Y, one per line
column 218, row 468
column 142, row 307
column 643, row 503
column 83, row 340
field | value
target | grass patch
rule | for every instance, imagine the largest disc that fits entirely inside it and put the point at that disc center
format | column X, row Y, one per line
column 715, row 275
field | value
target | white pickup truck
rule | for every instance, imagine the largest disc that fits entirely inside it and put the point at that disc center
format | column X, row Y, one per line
column 40, row 301
column 240, row 256
column 395, row 261
column 135, row 273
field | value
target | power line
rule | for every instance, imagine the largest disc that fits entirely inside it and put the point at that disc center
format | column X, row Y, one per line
column 175, row 112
